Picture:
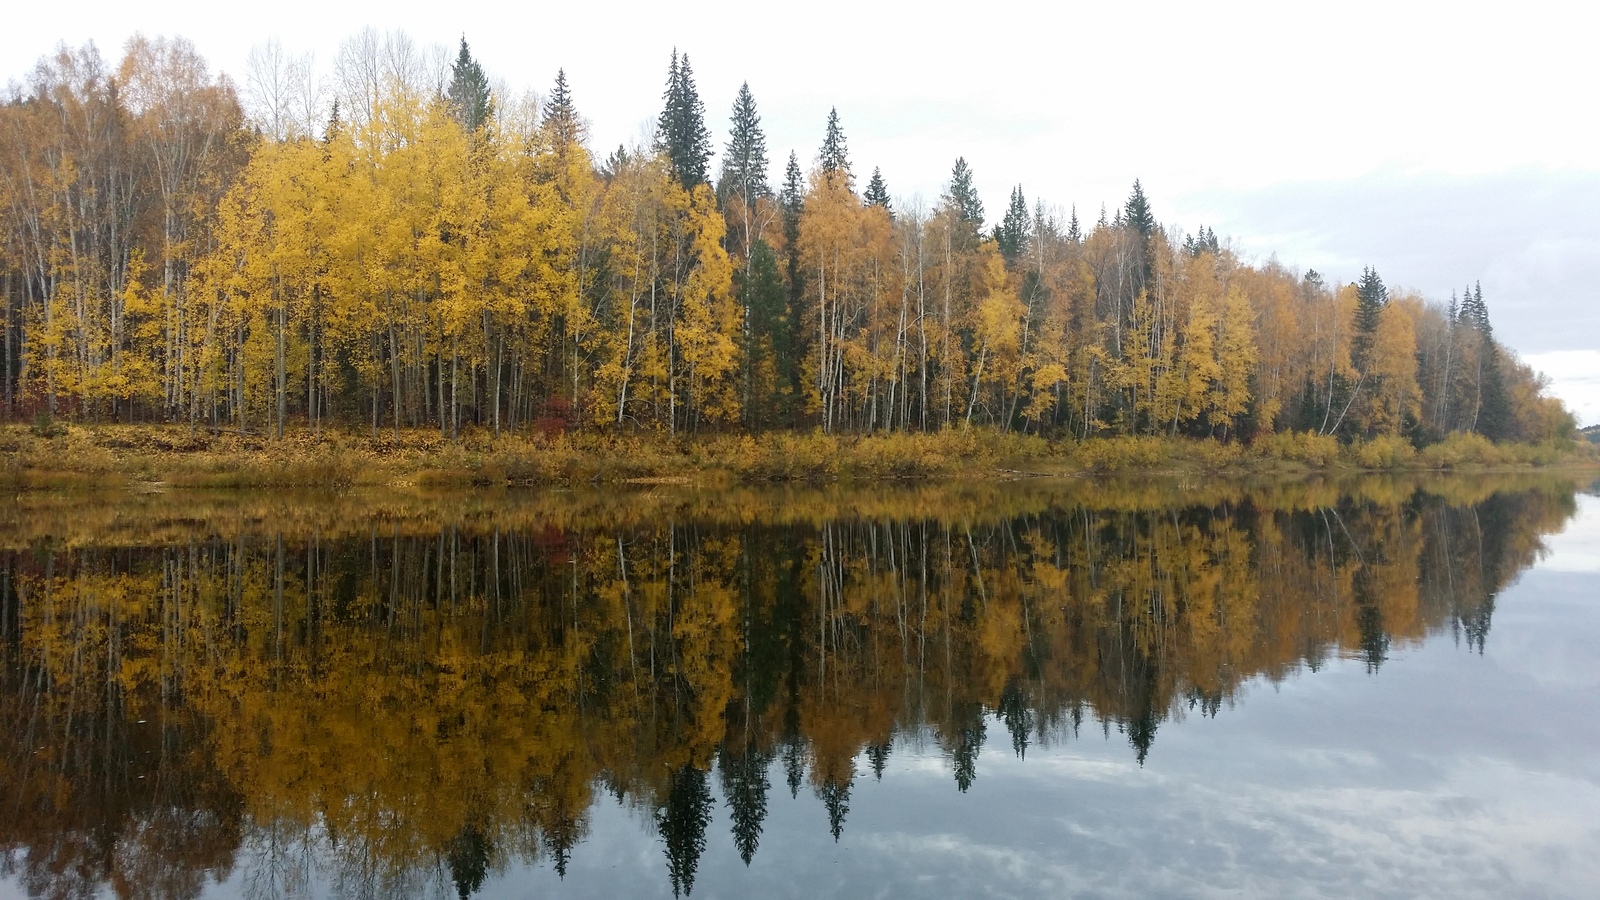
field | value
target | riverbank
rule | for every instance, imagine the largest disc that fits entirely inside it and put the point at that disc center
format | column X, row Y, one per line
column 68, row 456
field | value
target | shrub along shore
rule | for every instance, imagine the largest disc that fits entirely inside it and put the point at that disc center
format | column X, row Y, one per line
column 69, row 456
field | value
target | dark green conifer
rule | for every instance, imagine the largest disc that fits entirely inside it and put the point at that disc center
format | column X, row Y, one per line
column 877, row 192
column 614, row 163
column 1495, row 420
column 1137, row 214
column 962, row 197
column 1013, row 231
column 793, row 201
column 1371, row 298
column 834, row 159
column 1074, row 231
column 744, row 160
column 559, row 117
column 468, row 94
column 681, row 129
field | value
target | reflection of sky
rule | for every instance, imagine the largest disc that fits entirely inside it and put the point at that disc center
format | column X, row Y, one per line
column 1448, row 774
column 1577, row 548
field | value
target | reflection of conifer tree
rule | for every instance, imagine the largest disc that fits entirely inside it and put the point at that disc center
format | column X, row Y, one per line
column 1369, row 622
column 836, row 798
column 1143, row 680
column 1142, row 732
column 682, row 823
column 744, row 784
column 968, row 743
column 468, row 859
column 1207, row 702
column 878, row 756
column 794, row 744
column 560, row 836
column 794, row 751
column 1017, row 715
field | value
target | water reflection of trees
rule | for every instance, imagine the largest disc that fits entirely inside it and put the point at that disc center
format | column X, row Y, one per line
column 403, row 701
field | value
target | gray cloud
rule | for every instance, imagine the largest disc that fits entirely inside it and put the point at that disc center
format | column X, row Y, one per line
column 1531, row 236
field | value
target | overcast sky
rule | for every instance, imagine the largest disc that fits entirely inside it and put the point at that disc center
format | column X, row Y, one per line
column 1442, row 144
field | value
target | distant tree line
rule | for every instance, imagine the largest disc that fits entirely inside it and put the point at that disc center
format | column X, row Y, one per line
column 410, row 249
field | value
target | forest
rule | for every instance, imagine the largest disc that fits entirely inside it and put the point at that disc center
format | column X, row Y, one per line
column 386, row 697
column 396, row 245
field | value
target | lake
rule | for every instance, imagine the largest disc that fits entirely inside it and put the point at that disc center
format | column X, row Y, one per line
column 1376, row 686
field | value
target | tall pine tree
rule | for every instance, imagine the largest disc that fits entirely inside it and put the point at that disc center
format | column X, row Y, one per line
column 962, row 197
column 793, row 201
column 1495, row 419
column 1012, row 232
column 835, row 155
column 681, row 129
column 1371, row 298
column 878, row 193
column 744, row 160
column 560, row 118
column 468, row 94
column 1136, row 213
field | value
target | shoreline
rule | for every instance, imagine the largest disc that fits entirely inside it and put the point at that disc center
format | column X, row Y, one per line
column 171, row 457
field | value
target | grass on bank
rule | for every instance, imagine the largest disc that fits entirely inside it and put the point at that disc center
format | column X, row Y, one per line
column 72, row 455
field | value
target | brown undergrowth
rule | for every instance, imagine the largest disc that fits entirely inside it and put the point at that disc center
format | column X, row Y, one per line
column 174, row 457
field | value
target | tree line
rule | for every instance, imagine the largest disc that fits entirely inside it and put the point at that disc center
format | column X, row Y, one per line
column 396, row 697
column 414, row 249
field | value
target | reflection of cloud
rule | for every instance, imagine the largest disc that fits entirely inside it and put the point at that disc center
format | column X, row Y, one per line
column 1476, row 830
column 1577, row 549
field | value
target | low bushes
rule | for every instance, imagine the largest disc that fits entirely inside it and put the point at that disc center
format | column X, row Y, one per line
column 71, row 455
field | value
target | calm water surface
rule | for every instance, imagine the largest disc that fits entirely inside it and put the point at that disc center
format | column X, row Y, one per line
column 1377, row 687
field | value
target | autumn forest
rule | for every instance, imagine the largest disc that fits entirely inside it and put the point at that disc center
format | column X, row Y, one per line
column 394, row 245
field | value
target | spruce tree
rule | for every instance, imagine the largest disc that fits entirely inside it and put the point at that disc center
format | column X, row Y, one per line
column 468, row 94
column 681, row 129
column 793, row 201
column 963, row 197
column 1012, row 232
column 770, row 335
column 878, row 193
column 744, row 160
column 1136, row 214
column 1371, row 298
column 834, row 158
column 1074, row 231
column 614, row 163
column 793, row 198
column 1495, row 420
column 560, row 118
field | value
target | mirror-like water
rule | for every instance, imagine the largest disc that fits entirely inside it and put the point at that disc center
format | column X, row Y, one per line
column 1026, row 689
